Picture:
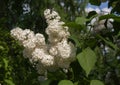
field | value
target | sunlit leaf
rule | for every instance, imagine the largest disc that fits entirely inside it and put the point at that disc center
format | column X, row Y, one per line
column 65, row 82
column 96, row 82
column 87, row 59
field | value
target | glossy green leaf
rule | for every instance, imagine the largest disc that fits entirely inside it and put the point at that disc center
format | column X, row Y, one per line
column 96, row 82
column 87, row 59
column 65, row 82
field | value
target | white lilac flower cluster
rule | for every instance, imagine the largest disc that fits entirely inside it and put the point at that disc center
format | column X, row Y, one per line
column 99, row 25
column 56, row 53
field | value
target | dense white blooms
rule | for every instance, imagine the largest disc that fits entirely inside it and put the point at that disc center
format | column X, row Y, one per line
column 55, row 30
column 97, row 25
column 30, row 43
column 57, row 53
column 38, row 54
column 18, row 34
column 47, row 60
column 65, row 49
column 51, row 15
column 40, row 40
column 53, row 51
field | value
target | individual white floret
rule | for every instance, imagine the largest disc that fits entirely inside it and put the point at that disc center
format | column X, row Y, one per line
column 26, row 31
column 53, row 51
column 40, row 40
column 30, row 43
column 38, row 54
column 30, row 35
column 47, row 60
column 65, row 49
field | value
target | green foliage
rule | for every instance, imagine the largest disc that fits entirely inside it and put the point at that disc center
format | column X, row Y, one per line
column 95, row 2
column 12, row 63
column 96, row 82
column 9, row 82
column 116, row 18
column 115, row 6
column 46, row 82
column 65, row 82
column 80, row 20
column 109, row 43
column 87, row 59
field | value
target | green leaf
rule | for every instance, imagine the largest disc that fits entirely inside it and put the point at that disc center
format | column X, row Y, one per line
column 95, row 2
column 96, row 82
column 108, row 16
column 87, row 59
column 9, row 82
column 76, row 83
column 1, row 48
column 109, row 43
column 80, row 20
column 65, row 82
column 118, row 34
column 92, row 14
column 73, row 25
column 77, row 43
column 6, row 63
